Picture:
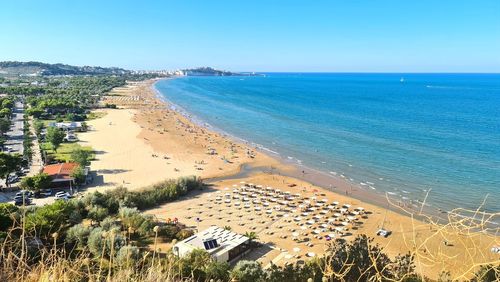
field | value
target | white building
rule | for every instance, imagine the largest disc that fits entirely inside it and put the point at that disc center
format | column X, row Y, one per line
column 74, row 125
column 223, row 245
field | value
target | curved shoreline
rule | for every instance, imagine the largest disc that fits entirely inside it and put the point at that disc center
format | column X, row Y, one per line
column 160, row 143
column 313, row 176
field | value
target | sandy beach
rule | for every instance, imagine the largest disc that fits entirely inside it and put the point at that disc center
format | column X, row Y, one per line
column 144, row 142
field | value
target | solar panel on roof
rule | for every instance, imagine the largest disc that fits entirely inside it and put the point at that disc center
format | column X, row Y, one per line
column 210, row 244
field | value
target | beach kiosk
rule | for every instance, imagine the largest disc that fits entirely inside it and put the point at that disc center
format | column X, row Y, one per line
column 223, row 245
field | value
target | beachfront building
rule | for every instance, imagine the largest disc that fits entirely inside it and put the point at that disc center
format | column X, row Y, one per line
column 61, row 175
column 73, row 126
column 223, row 245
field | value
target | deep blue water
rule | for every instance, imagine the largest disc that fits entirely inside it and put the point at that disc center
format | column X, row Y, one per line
column 439, row 131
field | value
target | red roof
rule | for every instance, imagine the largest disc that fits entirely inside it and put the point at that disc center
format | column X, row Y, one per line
column 60, row 171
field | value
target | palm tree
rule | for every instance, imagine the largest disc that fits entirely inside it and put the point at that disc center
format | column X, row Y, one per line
column 227, row 227
column 252, row 236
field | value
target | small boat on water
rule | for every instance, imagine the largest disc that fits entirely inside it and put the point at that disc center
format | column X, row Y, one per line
column 402, row 80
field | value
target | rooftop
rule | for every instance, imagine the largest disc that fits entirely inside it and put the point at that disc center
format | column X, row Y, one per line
column 60, row 171
column 224, row 238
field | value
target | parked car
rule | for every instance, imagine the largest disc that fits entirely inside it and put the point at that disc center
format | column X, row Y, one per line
column 13, row 179
column 21, row 200
column 25, row 193
column 46, row 192
column 70, row 138
column 43, row 193
column 62, row 196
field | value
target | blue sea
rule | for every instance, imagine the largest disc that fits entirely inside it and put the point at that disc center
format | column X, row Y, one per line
column 401, row 134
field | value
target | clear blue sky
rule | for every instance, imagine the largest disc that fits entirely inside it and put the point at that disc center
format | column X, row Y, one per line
column 270, row 35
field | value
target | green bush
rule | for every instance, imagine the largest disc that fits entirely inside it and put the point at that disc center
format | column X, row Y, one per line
column 218, row 271
column 248, row 271
column 168, row 232
column 78, row 234
column 183, row 234
column 128, row 256
column 98, row 213
column 45, row 220
column 163, row 192
column 109, row 223
column 99, row 242
column 8, row 215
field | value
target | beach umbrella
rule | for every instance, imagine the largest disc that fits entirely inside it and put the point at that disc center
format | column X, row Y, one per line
column 311, row 254
column 335, row 203
column 298, row 218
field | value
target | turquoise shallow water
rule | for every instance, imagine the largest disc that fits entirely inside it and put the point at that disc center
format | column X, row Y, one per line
column 396, row 133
